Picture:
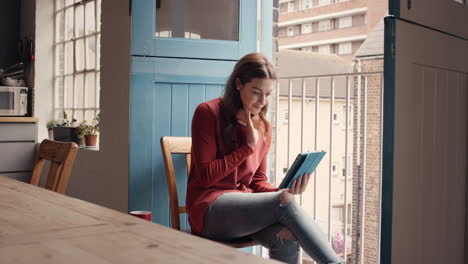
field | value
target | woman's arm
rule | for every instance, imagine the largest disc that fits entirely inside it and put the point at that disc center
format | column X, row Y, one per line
column 204, row 149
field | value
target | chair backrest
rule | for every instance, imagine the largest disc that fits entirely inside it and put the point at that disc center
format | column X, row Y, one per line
column 61, row 156
column 169, row 146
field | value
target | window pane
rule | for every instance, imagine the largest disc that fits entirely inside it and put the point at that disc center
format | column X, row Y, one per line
column 59, row 60
column 98, row 89
column 89, row 116
column 90, row 26
column 90, row 52
column 69, row 22
column 78, row 102
column 79, row 21
column 79, row 52
column 98, row 15
column 58, row 4
column 90, row 91
column 201, row 19
column 59, row 26
column 68, row 92
column 68, row 2
column 78, row 115
column 58, row 91
column 98, row 51
column 68, row 58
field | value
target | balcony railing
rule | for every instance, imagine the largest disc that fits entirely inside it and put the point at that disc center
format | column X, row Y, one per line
column 330, row 113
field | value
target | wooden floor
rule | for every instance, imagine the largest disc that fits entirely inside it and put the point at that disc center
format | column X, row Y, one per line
column 40, row 226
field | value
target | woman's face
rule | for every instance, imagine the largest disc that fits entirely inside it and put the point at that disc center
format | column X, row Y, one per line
column 255, row 94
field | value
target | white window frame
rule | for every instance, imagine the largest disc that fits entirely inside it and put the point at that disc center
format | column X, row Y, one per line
column 307, row 49
column 324, row 2
column 324, row 25
column 345, row 22
column 73, row 84
column 291, row 7
column 290, row 31
column 306, row 28
column 306, row 4
column 324, row 49
column 345, row 48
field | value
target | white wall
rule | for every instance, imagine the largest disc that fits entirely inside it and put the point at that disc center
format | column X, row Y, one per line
column 100, row 176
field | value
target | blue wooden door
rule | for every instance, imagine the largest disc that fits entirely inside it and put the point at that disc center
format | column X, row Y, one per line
column 170, row 77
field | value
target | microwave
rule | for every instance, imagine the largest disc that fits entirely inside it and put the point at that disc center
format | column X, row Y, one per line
column 13, row 101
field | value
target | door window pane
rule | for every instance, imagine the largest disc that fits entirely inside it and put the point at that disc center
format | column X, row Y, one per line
column 201, row 19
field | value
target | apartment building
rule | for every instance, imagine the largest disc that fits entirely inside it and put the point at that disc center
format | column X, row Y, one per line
column 327, row 26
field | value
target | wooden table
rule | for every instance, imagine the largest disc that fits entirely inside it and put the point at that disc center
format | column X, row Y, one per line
column 40, row 226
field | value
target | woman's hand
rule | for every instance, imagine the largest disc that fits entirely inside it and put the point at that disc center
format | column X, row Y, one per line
column 300, row 184
column 252, row 133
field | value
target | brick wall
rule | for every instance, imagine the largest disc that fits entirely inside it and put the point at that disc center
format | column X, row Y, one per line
column 372, row 169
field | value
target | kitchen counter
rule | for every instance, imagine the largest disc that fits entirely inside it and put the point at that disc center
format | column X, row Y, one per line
column 18, row 119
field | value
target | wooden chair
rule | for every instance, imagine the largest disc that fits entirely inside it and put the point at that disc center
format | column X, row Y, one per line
column 61, row 156
column 183, row 145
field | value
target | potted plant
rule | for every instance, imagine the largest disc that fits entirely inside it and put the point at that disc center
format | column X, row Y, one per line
column 66, row 131
column 50, row 126
column 89, row 131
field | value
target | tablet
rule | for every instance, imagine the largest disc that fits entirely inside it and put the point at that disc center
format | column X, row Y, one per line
column 305, row 163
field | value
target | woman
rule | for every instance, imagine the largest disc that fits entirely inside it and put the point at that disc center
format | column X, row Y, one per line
column 228, row 195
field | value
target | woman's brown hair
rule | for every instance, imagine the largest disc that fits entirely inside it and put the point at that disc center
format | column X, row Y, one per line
column 253, row 65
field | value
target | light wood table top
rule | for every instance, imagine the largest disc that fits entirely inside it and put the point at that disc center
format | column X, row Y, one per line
column 40, row 226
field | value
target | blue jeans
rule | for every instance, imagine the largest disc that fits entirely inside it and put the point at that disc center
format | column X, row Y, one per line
column 262, row 216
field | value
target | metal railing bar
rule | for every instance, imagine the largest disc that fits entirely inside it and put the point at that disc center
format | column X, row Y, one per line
column 332, row 110
column 331, row 75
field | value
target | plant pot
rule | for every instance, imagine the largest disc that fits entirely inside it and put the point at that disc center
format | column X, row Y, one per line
column 90, row 140
column 51, row 134
column 66, row 134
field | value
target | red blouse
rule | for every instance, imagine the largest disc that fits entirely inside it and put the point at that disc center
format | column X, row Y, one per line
column 213, row 172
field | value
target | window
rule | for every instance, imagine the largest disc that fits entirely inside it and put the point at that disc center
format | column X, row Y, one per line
column 76, row 59
column 345, row 22
column 291, row 6
column 344, row 48
column 307, row 49
column 323, row 2
column 324, row 49
column 290, row 31
column 307, row 4
column 306, row 28
column 324, row 25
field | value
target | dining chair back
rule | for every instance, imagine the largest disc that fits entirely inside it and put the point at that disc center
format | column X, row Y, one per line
column 182, row 146
column 61, row 156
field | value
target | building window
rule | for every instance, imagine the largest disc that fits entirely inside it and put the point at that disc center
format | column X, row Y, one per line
column 345, row 48
column 307, row 4
column 291, row 6
column 324, row 49
column 306, row 28
column 345, row 22
column 307, row 49
column 324, row 25
column 324, row 2
column 76, row 59
column 286, row 116
column 290, row 31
